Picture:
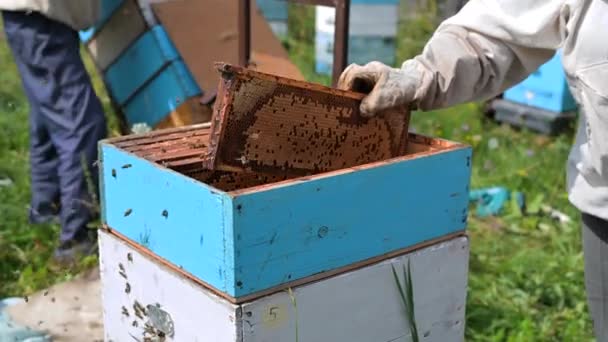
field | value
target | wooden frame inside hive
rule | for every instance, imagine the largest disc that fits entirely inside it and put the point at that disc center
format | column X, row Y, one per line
column 267, row 129
column 185, row 149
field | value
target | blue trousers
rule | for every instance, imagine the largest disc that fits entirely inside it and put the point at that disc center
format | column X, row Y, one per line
column 66, row 121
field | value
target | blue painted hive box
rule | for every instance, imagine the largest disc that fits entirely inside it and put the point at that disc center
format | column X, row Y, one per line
column 547, row 89
column 273, row 10
column 245, row 234
column 142, row 70
column 287, row 184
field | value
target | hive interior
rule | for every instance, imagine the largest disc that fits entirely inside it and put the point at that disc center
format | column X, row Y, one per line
column 185, row 149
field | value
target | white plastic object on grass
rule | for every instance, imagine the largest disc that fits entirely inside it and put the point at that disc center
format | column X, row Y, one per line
column 140, row 128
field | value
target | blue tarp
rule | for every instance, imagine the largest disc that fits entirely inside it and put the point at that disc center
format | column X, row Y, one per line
column 11, row 332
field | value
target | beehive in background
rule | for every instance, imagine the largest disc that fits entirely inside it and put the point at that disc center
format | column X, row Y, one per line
column 372, row 33
column 265, row 258
column 156, row 56
column 144, row 73
column 542, row 102
column 546, row 88
column 275, row 12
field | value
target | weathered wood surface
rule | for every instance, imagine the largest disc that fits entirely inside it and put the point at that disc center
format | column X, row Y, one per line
column 257, row 238
column 361, row 305
column 191, row 112
column 116, row 35
column 266, row 123
column 205, row 32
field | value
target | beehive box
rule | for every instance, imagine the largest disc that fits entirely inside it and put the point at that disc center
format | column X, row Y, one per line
column 164, row 94
column 142, row 70
column 147, row 78
column 372, row 33
column 546, row 89
column 139, row 63
column 253, row 234
column 276, row 13
column 144, row 298
column 534, row 118
column 118, row 32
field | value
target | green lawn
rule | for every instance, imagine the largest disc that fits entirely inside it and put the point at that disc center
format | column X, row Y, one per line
column 526, row 271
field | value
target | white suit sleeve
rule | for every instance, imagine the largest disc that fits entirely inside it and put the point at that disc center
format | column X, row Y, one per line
column 487, row 47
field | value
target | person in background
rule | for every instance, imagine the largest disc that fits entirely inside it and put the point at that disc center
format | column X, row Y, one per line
column 66, row 116
column 491, row 45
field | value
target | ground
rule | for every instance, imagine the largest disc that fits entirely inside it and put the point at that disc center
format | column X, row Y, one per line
column 526, row 270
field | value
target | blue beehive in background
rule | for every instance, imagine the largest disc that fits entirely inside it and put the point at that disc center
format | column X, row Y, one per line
column 146, row 77
column 545, row 89
column 542, row 102
column 141, row 68
column 276, row 13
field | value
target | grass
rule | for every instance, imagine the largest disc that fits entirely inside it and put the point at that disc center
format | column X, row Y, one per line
column 406, row 292
column 526, row 270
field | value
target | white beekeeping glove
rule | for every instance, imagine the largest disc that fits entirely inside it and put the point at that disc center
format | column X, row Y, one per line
column 489, row 46
column 388, row 87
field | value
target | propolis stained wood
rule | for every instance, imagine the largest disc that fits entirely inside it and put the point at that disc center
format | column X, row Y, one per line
column 267, row 123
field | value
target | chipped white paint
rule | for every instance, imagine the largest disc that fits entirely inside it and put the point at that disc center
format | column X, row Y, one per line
column 357, row 306
column 131, row 281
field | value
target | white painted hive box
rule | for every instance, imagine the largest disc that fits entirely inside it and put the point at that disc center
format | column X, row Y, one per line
column 144, row 299
column 372, row 32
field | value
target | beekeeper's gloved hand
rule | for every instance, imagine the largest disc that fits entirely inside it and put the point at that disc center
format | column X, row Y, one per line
column 387, row 87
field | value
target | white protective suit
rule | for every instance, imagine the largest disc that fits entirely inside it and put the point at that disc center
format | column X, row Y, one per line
column 491, row 45
column 78, row 14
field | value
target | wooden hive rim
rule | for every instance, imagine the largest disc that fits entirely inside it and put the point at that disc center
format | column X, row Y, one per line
column 436, row 146
column 228, row 70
